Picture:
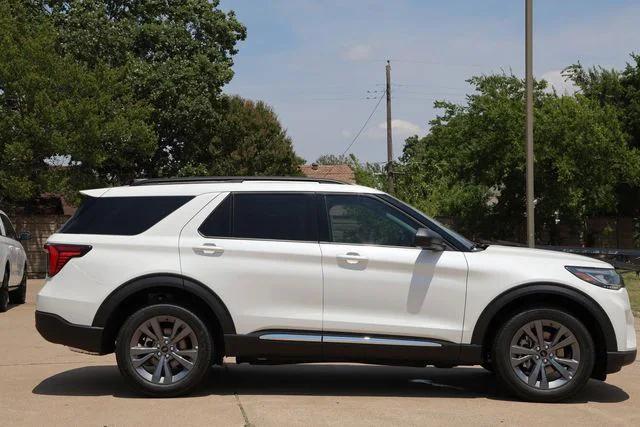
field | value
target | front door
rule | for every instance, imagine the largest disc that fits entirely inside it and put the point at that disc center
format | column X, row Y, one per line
column 13, row 248
column 376, row 282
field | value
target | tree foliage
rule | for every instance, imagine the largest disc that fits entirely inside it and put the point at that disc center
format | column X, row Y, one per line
column 470, row 167
column 249, row 140
column 620, row 90
column 177, row 56
column 98, row 92
column 54, row 110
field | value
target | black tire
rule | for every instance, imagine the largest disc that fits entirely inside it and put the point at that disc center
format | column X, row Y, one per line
column 4, row 292
column 203, row 351
column 19, row 295
column 488, row 366
column 569, row 386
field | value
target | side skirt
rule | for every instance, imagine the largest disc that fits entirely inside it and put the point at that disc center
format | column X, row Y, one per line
column 277, row 347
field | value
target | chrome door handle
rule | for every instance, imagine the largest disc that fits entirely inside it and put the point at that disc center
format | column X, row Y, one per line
column 352, row 258
column 208, row 249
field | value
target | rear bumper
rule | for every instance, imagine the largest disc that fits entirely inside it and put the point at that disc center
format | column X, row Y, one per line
column 55, row 329
column 617, row 359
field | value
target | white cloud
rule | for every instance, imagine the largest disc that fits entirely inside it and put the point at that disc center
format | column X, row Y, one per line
column 557, row 81
column 401, row 129
column 358, row 52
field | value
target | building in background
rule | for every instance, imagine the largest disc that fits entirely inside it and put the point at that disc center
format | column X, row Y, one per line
column 342, row 172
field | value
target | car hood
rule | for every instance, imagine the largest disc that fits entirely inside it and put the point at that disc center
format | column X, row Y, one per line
column 546, row 255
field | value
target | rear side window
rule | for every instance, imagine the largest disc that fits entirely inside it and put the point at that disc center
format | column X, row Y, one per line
column 123, row 216
column 219, row 222
column 273, row 216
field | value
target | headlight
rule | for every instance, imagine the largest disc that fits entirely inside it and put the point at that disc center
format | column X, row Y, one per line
column 604, row 277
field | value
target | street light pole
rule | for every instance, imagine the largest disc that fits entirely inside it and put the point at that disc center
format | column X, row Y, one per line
column 529, row 120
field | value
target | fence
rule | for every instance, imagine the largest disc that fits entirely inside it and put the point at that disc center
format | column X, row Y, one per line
column 40, row 227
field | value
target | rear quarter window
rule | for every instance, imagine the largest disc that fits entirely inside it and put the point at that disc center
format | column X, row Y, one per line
column 123, row 216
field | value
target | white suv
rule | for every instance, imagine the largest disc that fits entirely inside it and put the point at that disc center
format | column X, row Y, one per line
column 173, row 275
column 13, row 265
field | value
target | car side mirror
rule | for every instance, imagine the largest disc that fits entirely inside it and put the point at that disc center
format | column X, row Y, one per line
column 428, row 240
column 25, row 235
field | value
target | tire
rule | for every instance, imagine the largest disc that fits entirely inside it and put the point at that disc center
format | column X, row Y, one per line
column 187, row 359
column 4, row 292
column 551, row 372
column 488, row 366
column 19, row 296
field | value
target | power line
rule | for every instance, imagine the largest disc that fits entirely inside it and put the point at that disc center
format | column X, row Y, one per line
column 355, row 138
column 366, row 122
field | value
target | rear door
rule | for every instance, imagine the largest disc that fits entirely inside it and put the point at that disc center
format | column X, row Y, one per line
column 259, row 253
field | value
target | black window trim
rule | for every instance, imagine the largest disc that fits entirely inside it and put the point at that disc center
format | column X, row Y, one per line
column 450, row 246
column 232, row 194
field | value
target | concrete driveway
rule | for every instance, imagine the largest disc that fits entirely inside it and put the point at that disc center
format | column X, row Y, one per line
column 46, row 384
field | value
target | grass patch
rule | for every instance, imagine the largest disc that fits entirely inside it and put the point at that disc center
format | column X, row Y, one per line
column 632, row 282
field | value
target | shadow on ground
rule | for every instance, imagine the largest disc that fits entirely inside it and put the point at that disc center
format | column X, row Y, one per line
column 319, row 380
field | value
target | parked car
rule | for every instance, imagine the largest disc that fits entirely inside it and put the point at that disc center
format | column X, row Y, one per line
column 13, row 261
column 173, row 275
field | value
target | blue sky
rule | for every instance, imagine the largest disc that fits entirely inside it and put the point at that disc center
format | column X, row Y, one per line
column 317, row 61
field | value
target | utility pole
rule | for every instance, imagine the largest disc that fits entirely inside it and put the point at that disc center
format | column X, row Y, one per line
column 389, row 134
column 531, row 236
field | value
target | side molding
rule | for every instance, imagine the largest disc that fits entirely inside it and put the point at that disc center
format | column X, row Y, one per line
column 113, row 301
column 575, row 295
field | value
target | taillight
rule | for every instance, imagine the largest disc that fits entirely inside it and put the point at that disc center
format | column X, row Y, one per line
column 60, row 254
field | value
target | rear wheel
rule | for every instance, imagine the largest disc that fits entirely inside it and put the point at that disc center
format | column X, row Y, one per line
column 543, row 355
column 164, row 350
column 19, row 296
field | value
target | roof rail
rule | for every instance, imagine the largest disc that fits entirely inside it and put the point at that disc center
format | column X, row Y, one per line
column 208, row 179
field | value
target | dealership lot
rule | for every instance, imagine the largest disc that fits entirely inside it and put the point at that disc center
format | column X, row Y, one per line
column 43, row 383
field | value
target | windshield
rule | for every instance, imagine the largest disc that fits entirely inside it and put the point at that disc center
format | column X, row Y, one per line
column 435, row 224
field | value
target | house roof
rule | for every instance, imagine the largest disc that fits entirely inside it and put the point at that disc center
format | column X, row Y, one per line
column 341, row 172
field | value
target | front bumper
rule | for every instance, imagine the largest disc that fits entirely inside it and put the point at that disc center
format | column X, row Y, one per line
column 55, row 329
column 617, row 359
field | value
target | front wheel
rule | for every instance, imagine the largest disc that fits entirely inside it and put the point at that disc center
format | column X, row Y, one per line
column 4, row 292
column 164, row 350
column 543, row 355
column 19, row 295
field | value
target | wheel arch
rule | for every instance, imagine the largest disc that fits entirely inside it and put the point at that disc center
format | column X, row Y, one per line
column 552, row 294
column 161, row 288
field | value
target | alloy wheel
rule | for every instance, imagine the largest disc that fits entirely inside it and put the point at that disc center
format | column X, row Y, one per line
column 163, row 350
column 545, row 354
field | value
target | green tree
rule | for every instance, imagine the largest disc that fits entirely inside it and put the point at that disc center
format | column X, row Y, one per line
column 249, row 140
column 55, row 111
column 470, row 167
column 619, row 89
column 177, row 56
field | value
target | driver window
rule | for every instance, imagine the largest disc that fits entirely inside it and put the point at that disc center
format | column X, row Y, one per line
column 368, row 221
